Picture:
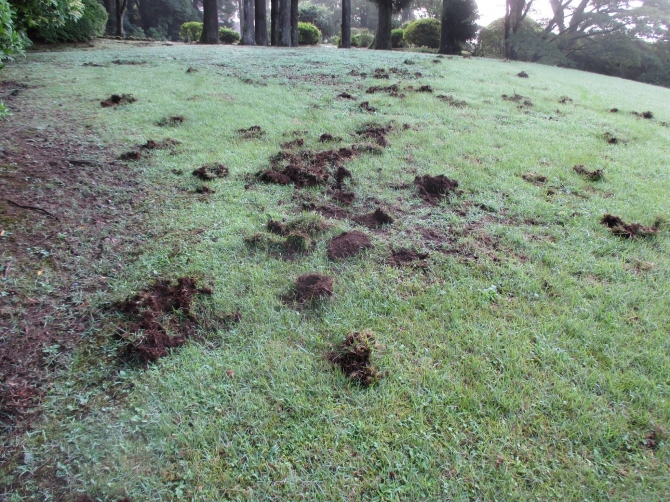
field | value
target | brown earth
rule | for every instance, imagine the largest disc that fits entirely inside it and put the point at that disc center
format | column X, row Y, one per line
column 644, row 115
column 210, row 172
column 171, row 121
column 518, row 98
column 536, row 179
column 391, row 90
column 345, row 95
column 343, row 197
column 594, row 175
column 325, row 137
column 353, row 358
column 614, row 110
column 365, row 105
column 564, row 100
column 165, row 144
column 375, row 219
column 348, row 244
column 450, row 100
column 432, row 189
column 407, row 257
column 425, row 88
column 296, row 143
column 305, row 168
column 380, row 73
column 310, row 288
column 610, row 138
column 376, row 133
column 118, row 99
column 628, row 230
column 522, row 74
column 132, row 155
column 253, row 132
column 159, row 318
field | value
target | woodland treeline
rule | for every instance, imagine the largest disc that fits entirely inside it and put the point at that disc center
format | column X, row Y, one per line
column 612, row 37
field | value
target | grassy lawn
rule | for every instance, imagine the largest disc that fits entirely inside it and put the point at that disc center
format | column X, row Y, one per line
column 527, row 358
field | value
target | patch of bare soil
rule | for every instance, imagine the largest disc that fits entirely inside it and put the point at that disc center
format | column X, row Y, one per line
column 305, row 168
column 564, row 100
column 353, row 358
column 310, row 288
column 407, row 257
column 518, row 98
column 118, row 99
column 365, row 105
column 391, row 90
column 345, row 95
column 325, row 138
column 376, row 133
column 534, row 178
column 159, row 318
column 172, row 121
column 380, row 73
column 450, row 100
column 595, row 175
column 296, row 143
column 610, row 138
column 210, row 172
column 644, row 115
column 425, row 88
column 253, row 132
column 132, row 155
column 432, row 189
column 628, row 230
column 614, row 110
column 522, row 74
column 330, row 211
column 348, row 244
column 165, row 144
column 344, row 197
column 375, row 219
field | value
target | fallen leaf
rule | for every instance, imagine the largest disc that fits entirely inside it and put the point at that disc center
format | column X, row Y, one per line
column 230, row 373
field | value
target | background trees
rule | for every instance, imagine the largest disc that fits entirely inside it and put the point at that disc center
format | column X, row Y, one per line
column 458, row 25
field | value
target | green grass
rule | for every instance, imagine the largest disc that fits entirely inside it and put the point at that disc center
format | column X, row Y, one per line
column 533, row 371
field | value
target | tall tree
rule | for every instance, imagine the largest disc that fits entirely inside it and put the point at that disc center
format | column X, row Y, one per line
column 284, row 25
column 346, row 25
column 458, row 24
column 248, row 30
column 515, row 13
column 210, row 22
column 121, row 8
column 385, row 21
column 274, row 22
column 294, row 23
column 261, row 23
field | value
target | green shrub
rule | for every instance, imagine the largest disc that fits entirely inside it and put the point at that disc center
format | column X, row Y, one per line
column 308, row 34
column 424, row 33
column 11, row 41
column 228, row 36
column 397, row 39
column 363, row 39
column 191, row 31
column 91, row 24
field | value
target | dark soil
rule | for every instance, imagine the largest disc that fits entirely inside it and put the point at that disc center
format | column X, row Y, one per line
column 425, row 88
column 325, row 137
column 614, row 110
column 627, row 230
column 204, row 190
column 375, row 219
column 296, row 143
column 376, row 133
column 131, row 155
column 118, row 99
column 436, row 61
column 449, row 99
column 644, row 115
column 345, row 95
column 306, row 168
column 380, row 73
column 343, row 197
column 171, row 121
column 310, row 288
column 348, row 244
column 536, row 179
column 522, row 74
column 166, row 144
column 392, row 90
column 611, row 139
column 407, row 257
column 564, row 100
column 341, row 174
column 651, row 440
column 191, row 70
column 365, row 105
column 253, row 132
column 209, row 172
column 128, row 62
column 518, row 98
column 353, row 358
column 595, row 175
column 432, row 189
column 159, row 318
column 330, row 211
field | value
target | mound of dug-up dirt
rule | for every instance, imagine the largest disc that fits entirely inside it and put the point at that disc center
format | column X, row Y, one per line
column 595, row 175
column 252, row 132
column 118, row 99
column 312, row 287
column 166, row 144
column 374, row 219
column 209, row 172
column 534, row 178
column 353, row 358
column 155, row 312
column 348, row 244
column 305, row 168
column 627, row 230
column 432, row 189
column 407, row 257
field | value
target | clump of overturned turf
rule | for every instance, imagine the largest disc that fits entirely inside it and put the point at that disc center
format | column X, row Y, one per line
column 118, row 99
column 305, row 168
column 365, row 105
column 449, row 99
column 345, row 95
column 614, row 110
column 425, row 88
column 131, row 155
column 376, row 133
column 348, row 244
column 160, row 318
column 296, row 143
column 311, row 287
column 644, row 115
column 432, row 189
column 522, row 74
column 353, row 358
column 325, row 137
column 595, row 175
column 375, row 219
column 209, row 172
column 407, row 257
column 564, row 100
column 610, row 138
column 518, row 98
column 628, row 230
column 534, row 178
column 253, row 132
column 380, row 73
column 171, row 121
column 344, row 197
column 165, row 144
column 391, row 90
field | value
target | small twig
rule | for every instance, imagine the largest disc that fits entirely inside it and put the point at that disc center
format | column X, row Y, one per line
column 6, row 274
column 50, row 235
column 34, row 208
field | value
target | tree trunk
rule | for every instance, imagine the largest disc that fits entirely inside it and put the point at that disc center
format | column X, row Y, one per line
column 121, row 6
column 144, row 8
column 446, row 40
column 248, row 31
column 284, row 31
column 384, row 25
column 210, row 22
column 294, row 23
column 274, row 22
column 346, row 25
column 261, row 22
